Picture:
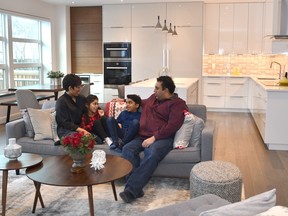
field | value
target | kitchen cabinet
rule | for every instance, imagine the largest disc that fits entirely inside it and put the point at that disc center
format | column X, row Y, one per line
column 117, row 16
column 110, row 93
column 117, row 23
column 98, row 86
column 211, row 28
column 151, row 48
column 226, row 92
column 237, row 28
column 255, row 28
column 214, row 92
column 226, row 28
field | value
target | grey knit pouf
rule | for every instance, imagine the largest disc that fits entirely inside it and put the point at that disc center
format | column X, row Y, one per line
column 216, row 177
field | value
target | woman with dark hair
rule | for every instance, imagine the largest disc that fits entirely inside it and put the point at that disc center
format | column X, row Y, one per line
column 70, row 107
column 94, row 120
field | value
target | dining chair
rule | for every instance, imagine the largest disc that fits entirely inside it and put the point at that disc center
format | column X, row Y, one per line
column 26, row 99
column 121, row 91
column 85, row 91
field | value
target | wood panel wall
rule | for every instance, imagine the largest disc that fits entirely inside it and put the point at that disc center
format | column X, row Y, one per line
column 86, row 39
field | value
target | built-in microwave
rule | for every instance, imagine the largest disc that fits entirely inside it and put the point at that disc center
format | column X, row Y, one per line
column 117, row 51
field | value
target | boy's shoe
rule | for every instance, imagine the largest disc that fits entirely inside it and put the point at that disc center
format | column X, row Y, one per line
column 108, row 141
column 126, row 196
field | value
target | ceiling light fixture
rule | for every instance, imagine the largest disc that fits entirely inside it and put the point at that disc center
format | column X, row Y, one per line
column 158, row 25
column 174, row 32
column 165, row 29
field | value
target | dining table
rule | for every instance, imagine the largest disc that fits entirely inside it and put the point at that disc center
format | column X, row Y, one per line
column 41, row 88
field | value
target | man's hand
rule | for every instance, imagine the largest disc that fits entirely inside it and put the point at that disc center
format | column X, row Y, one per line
column 147, row 142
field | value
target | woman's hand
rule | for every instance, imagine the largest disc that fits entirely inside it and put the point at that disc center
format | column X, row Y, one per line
column 101, row 112
column 79, row 129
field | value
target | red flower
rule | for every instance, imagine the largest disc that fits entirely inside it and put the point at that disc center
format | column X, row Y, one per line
column 78, row 142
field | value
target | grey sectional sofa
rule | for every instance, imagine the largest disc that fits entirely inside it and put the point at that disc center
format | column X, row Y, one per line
column 177, row 163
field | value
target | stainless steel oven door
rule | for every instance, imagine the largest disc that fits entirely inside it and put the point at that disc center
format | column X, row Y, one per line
column 117, row 73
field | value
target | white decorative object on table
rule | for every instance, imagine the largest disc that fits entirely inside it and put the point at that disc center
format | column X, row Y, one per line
column 98, row 159
column 12, row 150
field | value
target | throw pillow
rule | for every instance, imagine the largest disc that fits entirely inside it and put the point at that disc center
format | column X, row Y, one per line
column 27, row 122
column 196, row 133
column 183, row 135
column 252, row 206
column 54, row 127
column 275, row 211
column 41, row 122
column 114, row 108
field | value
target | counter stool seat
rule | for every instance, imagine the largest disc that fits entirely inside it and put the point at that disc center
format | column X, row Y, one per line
column 216, row 177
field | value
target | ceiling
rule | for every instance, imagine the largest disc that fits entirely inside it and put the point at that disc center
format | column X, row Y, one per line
column 102, row 2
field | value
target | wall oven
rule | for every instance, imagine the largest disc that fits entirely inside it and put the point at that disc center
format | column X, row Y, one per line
column 117, row 63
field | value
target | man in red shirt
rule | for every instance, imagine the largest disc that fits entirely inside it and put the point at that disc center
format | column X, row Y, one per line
column 162, row 115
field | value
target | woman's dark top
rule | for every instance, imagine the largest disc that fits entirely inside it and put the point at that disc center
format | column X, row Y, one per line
column 69, row 113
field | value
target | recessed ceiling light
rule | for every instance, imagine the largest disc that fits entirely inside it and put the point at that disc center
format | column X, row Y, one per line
column 72, row 2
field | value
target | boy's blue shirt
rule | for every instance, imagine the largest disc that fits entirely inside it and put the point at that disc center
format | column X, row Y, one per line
column 126, row 117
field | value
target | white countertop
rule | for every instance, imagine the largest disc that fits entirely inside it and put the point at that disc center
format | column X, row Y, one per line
column 179, row 82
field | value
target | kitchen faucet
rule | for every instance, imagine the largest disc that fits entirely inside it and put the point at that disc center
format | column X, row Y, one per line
column 279, row 67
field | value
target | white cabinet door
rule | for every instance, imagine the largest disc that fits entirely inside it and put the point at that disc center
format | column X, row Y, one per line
column 147, row 46
column 240, row 29
column 185, row 13
column 211, row 28
column 185, row 52
column 255, row 28
column 226, row 28
column 116, row 34
column 140, row 17
column 268, row 27
column 116, row 15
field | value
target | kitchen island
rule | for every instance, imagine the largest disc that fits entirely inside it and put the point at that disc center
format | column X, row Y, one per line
column 269, row 108
column 186, row 88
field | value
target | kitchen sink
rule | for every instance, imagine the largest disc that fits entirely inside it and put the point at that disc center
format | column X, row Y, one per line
column 267, row 78
column 274, row 82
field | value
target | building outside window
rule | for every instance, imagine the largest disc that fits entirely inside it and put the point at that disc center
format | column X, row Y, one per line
column 23, row 43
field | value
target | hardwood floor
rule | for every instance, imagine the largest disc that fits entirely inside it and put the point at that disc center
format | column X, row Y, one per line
column 238, row 141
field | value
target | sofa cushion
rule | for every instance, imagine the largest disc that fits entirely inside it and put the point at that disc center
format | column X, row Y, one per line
column 196, row 133
column 187, row 155
column 249, row 207
column 183, row 135
column 192, row 207
column 275, row 211
column 114, row 108
column 41, row 122
column 28, row 124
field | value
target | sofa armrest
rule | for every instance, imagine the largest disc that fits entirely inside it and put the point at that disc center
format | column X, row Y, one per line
column 15, row 129
column 207, row 141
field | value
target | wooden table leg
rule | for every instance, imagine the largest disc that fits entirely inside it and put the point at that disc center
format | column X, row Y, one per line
column 8, row 113
column 37, row 195
column 40, row 196
column 4, row 191
column 90, row 197
column 114, row 190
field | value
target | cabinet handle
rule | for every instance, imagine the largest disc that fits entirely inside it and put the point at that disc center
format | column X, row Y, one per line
column 214, row 96
column 117, row 68
column 214, row 83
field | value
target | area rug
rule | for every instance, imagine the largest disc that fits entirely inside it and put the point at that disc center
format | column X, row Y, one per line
column 66, row 201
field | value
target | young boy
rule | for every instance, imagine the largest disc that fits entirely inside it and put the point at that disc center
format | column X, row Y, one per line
column 123, row 129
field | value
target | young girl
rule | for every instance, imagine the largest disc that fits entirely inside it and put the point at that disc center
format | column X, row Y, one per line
column 94, row 120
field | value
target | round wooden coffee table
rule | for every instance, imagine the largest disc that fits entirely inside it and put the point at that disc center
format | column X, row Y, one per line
column 56, row 171
column 24, row 161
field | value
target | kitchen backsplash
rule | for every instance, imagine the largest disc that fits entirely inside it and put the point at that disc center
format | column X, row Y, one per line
column 252, row 65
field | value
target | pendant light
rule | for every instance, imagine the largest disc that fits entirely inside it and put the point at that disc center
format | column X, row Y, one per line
column 158, row 25
column 174, row 32
column 170, row 29
column 165, row 29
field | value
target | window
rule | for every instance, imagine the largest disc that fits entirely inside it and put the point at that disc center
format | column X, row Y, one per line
column 23, row 42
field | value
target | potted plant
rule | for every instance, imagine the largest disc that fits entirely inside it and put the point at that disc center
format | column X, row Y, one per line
column 55, row 77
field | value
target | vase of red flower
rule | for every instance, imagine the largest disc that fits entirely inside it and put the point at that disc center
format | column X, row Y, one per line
column 78, row 145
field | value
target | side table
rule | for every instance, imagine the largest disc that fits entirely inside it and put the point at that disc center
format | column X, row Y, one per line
column 24, row 161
